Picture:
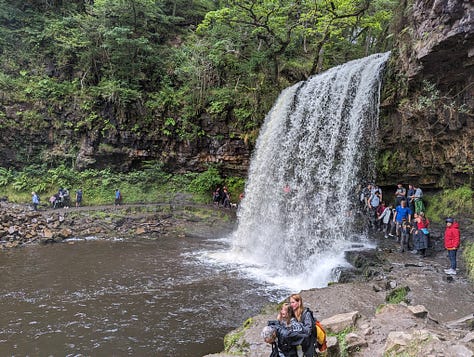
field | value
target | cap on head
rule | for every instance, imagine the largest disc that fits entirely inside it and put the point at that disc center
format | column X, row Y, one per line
column 268, row 332
column 449, row 220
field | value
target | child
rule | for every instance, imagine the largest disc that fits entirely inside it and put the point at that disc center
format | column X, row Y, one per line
column 452, row 240
column 405, row 236
column 285, row 314
column 385, row 217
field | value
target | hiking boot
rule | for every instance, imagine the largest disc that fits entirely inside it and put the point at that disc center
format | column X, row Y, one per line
column 450, row 271
column 385, row 236
column 391, row 235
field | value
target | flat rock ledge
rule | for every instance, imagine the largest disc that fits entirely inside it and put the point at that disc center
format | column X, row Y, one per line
column 394, row 330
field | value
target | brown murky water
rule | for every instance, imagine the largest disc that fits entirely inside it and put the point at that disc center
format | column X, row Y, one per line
column 130, row 298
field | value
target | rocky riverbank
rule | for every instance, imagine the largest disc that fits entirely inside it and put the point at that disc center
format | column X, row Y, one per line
column 436, row 318
column 20, row 225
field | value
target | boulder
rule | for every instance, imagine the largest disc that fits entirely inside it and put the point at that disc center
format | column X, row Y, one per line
column 418, row 310
column 338, row 323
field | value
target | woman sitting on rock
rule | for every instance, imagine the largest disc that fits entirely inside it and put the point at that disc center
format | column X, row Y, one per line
column 306, row 318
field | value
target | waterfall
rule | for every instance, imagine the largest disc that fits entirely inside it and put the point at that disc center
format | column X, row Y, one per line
column 315, row 148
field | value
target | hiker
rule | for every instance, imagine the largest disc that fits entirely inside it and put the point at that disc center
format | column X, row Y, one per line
column 379, row 211
column 373, row 202
column 417, row 199
column 400, row 194
column 35, row 200
column 405, row 231
column 78, row 197
column 401, row 212
column 226, row 198
column 452, row 240
column 282, row 339
column 66, row 198
column 420, row 237
column 385, row 218
column 286, row 316
column 425, row 227
column 306, row 318
column 410, row 200
column 216, row 196
column 118, row 197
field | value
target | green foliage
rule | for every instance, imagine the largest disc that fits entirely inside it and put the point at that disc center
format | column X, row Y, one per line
column 341, row 338
column 6, row 176
column 234, row 343
column 397, row 295
column 116, row 92
column 206, row 182
column 21, row 182
column 235, row 186
column 468, row 255
column 430, row 100
column 386, row 162
column 449, row 202
column 157, row 68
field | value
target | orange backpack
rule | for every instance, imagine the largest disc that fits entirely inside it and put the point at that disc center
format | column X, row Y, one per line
column 320, row 337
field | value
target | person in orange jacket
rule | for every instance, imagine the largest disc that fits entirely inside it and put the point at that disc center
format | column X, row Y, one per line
column 452, row 239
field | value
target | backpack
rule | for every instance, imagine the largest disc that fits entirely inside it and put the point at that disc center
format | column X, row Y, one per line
column 320, row 337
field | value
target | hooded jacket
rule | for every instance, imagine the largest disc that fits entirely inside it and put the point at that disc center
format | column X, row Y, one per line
column 309, row 329
column 452, row 236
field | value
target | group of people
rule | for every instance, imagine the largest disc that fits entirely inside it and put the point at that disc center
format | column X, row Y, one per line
column 221, row 197
column 293, row 333
column 60, row 199
column 371, row 198
column 407, row 221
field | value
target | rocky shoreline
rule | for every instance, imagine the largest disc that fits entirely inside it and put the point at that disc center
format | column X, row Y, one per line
column 20, row 225
column 437, row 318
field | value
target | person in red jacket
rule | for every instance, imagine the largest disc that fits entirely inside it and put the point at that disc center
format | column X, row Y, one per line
column 452, row 239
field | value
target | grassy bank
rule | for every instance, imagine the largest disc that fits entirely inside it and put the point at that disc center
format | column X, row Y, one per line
column 151, row 184
column 457, row 203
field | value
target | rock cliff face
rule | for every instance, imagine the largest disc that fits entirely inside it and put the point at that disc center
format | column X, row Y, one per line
column 426, row 127
column 427, row 122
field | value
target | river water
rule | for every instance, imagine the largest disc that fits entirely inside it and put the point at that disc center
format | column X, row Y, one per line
column 123, row 298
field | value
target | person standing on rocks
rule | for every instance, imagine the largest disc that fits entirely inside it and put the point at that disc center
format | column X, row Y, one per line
column 118, row 197
column 418, row 199
column 400, row 194
column 35, row 200
column 401, row 212
column 411, row 201
column 78, row 197
column 452, row 240
column 306, row 318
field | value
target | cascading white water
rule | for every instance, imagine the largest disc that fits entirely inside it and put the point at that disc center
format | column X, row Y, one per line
column 296, row 219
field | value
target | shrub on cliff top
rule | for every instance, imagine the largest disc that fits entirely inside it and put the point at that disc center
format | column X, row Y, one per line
column 468, row 255
column 450, row 202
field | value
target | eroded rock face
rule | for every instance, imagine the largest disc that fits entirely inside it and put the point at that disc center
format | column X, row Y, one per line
column 125, row 150
column 427, row 123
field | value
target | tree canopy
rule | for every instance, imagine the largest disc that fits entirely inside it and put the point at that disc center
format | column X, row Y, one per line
column 154, row 67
